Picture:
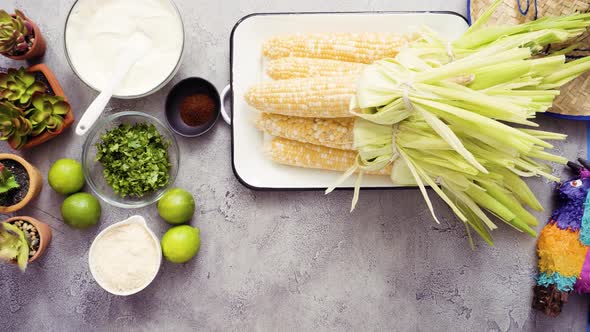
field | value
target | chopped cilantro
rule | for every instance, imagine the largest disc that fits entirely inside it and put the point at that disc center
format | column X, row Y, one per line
column 135, row 159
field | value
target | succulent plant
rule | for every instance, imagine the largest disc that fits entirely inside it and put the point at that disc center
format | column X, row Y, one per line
column 14, row 126
column 16, row 33
column 7, row 180
column 47, row 113
column 18, row 86
column 14, row 245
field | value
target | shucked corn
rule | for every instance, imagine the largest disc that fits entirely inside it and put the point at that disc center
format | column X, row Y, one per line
column 334, row 133
column 293, row 67
column 354, row 47
column 293, row 153
column 316, row 78
column 321, row 97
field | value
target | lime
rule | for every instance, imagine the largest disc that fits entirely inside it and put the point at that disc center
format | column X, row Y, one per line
column 66, row 176
column 177, row 206
column 180, row 243
column 81, row 210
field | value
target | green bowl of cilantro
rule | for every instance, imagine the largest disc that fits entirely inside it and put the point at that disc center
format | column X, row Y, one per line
column 130, row 159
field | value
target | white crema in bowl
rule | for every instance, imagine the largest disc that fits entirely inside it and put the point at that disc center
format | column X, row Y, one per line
column 97, row 32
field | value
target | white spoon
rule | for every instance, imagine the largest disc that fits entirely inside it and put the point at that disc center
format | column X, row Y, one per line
column 137, row 47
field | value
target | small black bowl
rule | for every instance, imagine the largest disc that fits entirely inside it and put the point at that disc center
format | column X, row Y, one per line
column 183, row 89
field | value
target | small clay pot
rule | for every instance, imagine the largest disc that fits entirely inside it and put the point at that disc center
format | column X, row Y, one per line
column 58, row 91
column 38, row 48
column 35, row 183
column 44, row 234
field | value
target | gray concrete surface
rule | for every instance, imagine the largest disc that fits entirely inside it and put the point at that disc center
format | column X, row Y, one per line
column 276, row 261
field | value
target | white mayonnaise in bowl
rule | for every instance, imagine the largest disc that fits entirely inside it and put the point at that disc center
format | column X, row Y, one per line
column 97, row 32
column 125, row 257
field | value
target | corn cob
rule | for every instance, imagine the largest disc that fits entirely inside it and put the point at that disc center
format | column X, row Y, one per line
column 293, row 153
column 335, row 133
column 354, row 47
column 319, row 97
column 292, row 67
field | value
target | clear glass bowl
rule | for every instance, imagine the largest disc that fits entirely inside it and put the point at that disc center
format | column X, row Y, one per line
column 162, row 84
column 93, row 170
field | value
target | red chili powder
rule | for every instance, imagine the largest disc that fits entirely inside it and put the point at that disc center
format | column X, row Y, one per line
column 197, row 109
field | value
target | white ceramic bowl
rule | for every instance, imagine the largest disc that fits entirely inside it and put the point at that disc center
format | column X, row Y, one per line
column 147, row 93
column 133, row 219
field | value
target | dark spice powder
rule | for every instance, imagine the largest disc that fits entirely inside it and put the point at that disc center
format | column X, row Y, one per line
column 197, row 109
column 21, row 176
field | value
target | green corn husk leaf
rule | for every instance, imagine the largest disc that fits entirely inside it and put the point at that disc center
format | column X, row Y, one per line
column 449, row 136
column 443, row 114
column 439, row 160
column 477, row 36
column 507, row 199
column 473, row 221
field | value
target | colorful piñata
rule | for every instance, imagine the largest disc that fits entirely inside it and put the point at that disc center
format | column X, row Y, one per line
column 564, row 264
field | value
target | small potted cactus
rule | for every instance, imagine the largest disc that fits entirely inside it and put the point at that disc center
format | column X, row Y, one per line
column 33, row 108
column 20, row 38
column 23, row 240
column 20, row 182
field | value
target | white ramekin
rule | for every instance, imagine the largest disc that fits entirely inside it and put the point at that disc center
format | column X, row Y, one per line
column 131, row 220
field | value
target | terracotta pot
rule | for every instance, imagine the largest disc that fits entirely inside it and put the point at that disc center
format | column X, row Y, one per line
column 57, row 89
column 44, row 234
column 38, row 48
column 35, row 183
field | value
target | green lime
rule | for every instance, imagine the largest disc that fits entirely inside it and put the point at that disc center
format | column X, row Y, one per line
column 180, row 243
column 66, row 176
column 177, row 206
column 81, row 210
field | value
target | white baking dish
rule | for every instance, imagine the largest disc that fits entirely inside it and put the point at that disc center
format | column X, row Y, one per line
column 250, row 164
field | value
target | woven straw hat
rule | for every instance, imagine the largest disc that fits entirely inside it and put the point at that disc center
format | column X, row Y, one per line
column 575, row 96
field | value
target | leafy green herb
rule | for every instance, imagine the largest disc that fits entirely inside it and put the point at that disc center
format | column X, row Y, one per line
column 135, row 159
